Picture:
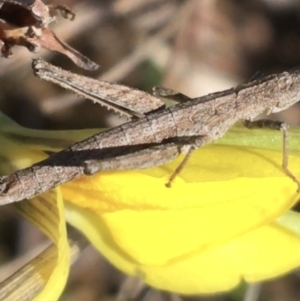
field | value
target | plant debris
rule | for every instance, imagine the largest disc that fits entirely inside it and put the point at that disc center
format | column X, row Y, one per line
column 25, row 23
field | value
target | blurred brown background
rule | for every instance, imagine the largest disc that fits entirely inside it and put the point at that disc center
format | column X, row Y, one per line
column 194, row 46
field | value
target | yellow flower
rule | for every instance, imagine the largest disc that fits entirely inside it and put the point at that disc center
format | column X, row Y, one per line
column 224, row 220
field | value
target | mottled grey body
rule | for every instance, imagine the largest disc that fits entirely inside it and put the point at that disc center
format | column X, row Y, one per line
column 158, row 137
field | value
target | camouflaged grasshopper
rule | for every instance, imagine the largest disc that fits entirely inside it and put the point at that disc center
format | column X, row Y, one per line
column 157, row 134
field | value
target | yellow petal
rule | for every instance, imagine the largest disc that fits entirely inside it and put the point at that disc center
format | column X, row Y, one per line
column 233, row 186
column 21, row 147
column 257, row 255
column 50, row 272
column 225, row 193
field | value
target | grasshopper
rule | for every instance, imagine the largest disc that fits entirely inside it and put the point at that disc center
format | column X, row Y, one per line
column 157, row 134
